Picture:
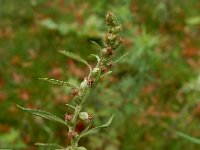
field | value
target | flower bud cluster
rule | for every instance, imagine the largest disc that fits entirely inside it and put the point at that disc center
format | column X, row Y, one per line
column 111, row 41
column 112, row 38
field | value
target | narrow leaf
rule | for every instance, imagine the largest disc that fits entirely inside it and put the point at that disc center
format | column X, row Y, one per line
column 96, row 129
column 96, row 56
column 107, row 73
column 99, row 47
column 74, row 56
column 121, row 57
column 49, row 145
column 58, row 82
column 44, row 114
column 70, row 106
column 188, row 137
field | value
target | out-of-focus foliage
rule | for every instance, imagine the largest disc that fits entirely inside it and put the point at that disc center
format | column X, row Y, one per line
column 154, row 86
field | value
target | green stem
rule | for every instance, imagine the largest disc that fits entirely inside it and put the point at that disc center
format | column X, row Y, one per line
column 76, row 113
column 78, row 108
column 74, row 142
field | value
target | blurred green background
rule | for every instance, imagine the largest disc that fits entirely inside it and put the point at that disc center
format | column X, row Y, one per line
column 156, row 85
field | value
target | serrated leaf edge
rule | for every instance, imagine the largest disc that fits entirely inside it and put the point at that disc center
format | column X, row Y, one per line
column 46, row 113
column 58, row 82
column 49, row 145
column 74, row 56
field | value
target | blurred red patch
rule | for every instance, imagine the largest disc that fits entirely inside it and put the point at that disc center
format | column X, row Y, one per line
column 32, row 53
column 62, row 99
column 149, row 88
column 13, row 108
column 16, row 60
column 16, row 77
column 190, row 52
column 24, row 94
column 4, row 128
column 3, row 96
column 80, row 126
column 2, row 82
column 55, row 73
column 74, row 70
column 196, row 110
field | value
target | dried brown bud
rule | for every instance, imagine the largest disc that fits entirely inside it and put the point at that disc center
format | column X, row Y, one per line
column 90, row 82
column 109, row 51
column 111, row 64
column 75, row 92
column 89, row 118
column 72, row 134
column 68, row 117
column 103, row 69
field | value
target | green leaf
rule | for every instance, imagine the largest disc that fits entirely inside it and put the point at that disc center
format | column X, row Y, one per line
column 99, row 47
column 95, row 56
column 58, row 82
column 49, row 145
column 44, row 114
column 121, row 57
column 96, row 129
column 75, row 57
column 71, row 106
column 107, row 73
column 188, row 137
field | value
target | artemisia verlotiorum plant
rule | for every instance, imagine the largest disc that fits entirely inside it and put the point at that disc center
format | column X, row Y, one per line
column 105, row 62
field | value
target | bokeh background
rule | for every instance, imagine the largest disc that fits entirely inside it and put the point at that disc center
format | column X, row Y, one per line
column 155, row 86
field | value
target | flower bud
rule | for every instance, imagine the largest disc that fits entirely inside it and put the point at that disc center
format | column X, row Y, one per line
column 72, row 134
column 90, row 82
column 111, row 37
column 108, row 51
column 104, row 51
column 83, row 84
column 95, row 71
column 83, row 115
column 110, row 19
column 116, row 29
column 110, row 64
column 75, row 92
column 103, row 69
column 68, row 117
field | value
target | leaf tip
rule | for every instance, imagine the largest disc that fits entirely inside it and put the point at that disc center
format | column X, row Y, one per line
column 20, row 107
column 61, row 51
column 43, row 78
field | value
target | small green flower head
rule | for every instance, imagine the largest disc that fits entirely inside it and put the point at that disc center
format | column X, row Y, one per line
column 110, row 20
